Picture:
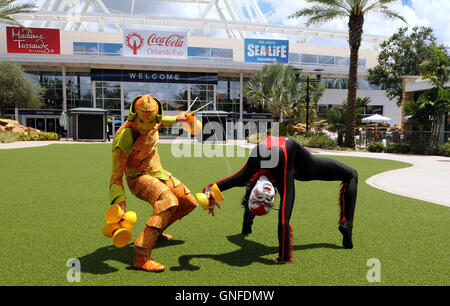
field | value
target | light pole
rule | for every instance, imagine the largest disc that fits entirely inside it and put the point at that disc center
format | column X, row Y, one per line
column 307, row 80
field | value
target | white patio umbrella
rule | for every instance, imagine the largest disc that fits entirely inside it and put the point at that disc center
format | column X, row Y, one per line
column 376, row 119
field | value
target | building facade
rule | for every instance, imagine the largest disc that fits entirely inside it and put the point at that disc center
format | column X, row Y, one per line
column 104, row 70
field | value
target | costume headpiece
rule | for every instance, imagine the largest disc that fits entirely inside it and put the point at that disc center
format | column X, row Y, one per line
column 146, row 104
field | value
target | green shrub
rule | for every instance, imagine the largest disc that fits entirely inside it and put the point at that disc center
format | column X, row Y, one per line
column 391, row 148
column 375, row 147
column 433, row 150
column 283, row 129
column 8, row 137
column 419, row 149
column 404, row 148
column 316, row 140
column 255, row 138
column 42, row 136
column 444, row 150
column 322, row 141
column 21, row 136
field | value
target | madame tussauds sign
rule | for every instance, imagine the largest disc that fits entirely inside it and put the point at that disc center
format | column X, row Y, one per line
column 37, row 40
column 160, row 44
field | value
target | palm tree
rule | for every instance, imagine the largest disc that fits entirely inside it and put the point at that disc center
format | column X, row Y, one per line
column 354, row 10
column 274, row 88
column 336, row 117
column 8, row 8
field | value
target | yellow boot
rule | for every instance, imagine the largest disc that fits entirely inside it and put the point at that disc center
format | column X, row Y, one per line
column 147, row 264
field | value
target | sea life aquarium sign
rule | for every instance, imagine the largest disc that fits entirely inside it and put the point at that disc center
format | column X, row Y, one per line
column 266, row 50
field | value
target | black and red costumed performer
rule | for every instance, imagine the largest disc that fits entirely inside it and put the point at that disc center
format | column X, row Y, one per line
column 282, row 160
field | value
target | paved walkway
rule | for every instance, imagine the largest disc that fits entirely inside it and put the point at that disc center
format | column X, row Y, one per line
column 428, row 178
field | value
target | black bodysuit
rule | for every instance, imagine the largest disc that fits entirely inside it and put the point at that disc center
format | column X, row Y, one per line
column 283, row 160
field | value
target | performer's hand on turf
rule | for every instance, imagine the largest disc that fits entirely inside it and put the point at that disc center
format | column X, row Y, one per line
column 213, row 203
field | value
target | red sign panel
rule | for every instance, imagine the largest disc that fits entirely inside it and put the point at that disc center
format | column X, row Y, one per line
column 36, row 41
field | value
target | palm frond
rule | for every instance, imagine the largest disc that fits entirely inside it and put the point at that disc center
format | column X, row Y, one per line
column 319, row 14
column 391, row 15
column 8, row 9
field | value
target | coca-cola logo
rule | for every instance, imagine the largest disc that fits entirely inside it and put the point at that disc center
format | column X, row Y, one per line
column 173, row 40
column 134, row 41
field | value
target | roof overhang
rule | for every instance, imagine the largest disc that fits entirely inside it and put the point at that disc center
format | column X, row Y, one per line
column 84, row 62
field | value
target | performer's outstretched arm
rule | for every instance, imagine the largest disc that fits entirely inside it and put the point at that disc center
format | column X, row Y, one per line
column 238, row 179
column 116, row 190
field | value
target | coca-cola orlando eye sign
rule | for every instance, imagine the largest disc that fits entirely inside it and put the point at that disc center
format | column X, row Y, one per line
column 161, row 44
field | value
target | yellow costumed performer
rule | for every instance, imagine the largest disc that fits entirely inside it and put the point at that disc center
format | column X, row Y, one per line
column 135, row 153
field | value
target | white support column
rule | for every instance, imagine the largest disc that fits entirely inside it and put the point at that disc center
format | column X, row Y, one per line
column 122, row 103
column 240, row 124
column 16, row 114
column 215, row 96
column 188, row 102
column 64, row 89
column 189, row 96
column 94, row 98
column 241, row 96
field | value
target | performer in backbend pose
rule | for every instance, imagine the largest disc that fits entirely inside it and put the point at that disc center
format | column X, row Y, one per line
column 279, row 161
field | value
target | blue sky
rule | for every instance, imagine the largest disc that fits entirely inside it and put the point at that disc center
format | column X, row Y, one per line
column 431, row 13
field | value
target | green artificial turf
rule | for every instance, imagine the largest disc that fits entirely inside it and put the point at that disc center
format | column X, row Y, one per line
column 53, row 200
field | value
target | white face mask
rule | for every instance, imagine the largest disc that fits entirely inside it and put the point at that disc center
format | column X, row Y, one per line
column 262, row 196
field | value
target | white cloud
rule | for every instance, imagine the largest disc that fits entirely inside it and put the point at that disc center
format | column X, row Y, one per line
column 431, row 13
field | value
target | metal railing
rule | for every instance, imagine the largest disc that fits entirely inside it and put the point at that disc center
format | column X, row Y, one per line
column 413, row 138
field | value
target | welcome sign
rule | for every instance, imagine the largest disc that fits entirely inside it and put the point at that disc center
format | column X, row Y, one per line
column 154, row 76
column 34, row 41
column 266, row 50
column 161, row 44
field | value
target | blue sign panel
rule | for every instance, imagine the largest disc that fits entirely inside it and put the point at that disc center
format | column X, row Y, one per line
column 266, row 50
column 153, row 76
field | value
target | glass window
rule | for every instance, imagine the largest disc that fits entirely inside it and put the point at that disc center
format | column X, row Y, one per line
column 294, row 58
column 79, row 89
column 34, row 76
column 361, row 62
column 52, row 82
column 364, row 84
column 110, row 49
column 342, row 61
column 51, row 125
column 223, row 54
column 31, row 122
column 228, row 94
column 111, row 104
column 172, row 96
column 309, row 59
column 223, row 90
column 40, row 124
column 374, row 109
column 107, row 95
column 204, row 93
column 85, row 48
column 177, row 97
column 335, row 83
column 326, row 60
column 199, row 53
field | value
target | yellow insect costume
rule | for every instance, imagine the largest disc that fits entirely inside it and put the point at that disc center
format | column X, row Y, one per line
column 135, row 153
